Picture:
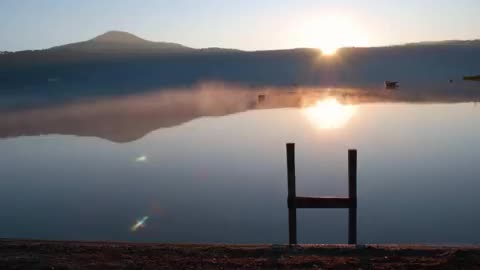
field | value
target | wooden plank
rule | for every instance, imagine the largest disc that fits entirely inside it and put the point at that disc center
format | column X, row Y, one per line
column 322, row 202
column 352, row 194
column 292, row 211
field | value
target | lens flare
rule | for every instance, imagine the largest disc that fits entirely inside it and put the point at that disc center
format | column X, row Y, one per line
column 139, row 224
column 141, row 159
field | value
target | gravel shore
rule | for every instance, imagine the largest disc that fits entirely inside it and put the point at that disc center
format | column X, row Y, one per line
column 31, row 254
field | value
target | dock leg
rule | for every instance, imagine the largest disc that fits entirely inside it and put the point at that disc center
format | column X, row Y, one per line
column 292, row 210
column 352, row 194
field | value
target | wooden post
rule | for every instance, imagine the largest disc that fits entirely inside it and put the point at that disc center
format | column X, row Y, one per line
column 295, row 202
column 352, row 194
column 292, row 210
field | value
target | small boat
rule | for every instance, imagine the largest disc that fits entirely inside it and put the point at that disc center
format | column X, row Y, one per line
column 391, row 85
column 472, row 78
column 261, row 98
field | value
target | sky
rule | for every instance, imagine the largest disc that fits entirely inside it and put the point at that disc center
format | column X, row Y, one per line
column 239, row 24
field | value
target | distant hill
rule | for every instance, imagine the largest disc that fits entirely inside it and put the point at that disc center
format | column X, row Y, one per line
column 475, row 42
column 119, row 62
column 121, row 42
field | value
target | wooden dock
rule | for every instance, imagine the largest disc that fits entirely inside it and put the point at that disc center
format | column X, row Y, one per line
column 294, row 202
column 472, row 78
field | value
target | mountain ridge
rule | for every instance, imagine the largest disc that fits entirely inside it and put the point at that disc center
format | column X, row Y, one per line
column 95, row 65
column 120, row 41
column 118, row 36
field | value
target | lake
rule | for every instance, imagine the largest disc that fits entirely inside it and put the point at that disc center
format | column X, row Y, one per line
column 208, row 164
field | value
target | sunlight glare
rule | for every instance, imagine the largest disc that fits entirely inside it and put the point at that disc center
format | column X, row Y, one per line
column 330, row 33
column 329, row 113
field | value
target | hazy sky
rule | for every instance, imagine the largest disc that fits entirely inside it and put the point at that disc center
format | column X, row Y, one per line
column 242, row 24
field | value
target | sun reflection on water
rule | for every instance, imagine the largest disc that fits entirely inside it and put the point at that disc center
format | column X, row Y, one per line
column 329, row 113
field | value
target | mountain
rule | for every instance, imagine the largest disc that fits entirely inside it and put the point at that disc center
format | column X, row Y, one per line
column 122, row 63
column 475, row 42
column 121, row 42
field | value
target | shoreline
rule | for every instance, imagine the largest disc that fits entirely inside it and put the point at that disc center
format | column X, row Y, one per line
column 40, row 254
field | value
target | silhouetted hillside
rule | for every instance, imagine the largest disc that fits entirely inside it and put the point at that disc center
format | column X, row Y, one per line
column 118, row 62
column 447, row 43
column 121, row 42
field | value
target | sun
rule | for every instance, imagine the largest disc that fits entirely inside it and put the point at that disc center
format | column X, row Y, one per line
column 332, row 32
column 329, row 50
column 329, row 113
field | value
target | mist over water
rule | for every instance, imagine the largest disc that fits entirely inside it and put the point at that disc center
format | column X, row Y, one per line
column 207, row 163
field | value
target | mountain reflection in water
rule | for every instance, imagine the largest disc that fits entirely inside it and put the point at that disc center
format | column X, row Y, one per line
column 128, row 118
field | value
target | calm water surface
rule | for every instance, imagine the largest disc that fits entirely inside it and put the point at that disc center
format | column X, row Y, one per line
column 206, row 170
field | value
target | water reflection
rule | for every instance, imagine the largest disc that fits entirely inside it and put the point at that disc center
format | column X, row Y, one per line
column 129, row 118
column 223, row 179
column 329, row 113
